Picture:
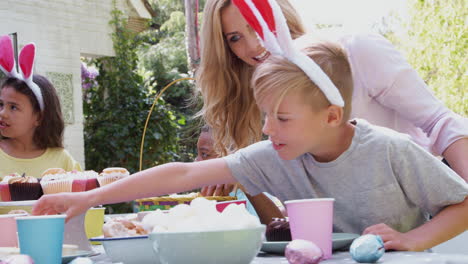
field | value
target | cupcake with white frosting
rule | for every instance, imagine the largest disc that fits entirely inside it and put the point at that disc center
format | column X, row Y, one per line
column 57, row 182
column 111, row 175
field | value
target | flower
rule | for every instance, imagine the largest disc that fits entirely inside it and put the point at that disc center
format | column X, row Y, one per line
column 88, row 76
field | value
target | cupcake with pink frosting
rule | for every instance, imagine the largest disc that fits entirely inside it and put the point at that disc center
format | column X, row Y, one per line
column 5, row 188
column 84, row 180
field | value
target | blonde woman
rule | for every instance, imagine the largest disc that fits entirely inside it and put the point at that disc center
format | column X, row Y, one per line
column 228, row 56
column 387, row 91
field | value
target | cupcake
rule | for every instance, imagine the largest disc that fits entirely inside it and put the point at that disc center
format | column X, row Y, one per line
column 53, row 171
column 24, row 188
column 84, row 180
column 278, row 230
column 56, row 182
column 5, row 188
column 111, row 175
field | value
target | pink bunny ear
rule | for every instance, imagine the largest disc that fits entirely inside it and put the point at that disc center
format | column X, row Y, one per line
column 7, row 60
column 265, row 11
column 26, row 63
column 26, row 60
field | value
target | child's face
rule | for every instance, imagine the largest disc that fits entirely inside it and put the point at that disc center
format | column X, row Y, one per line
column 17, row 116
column 241, row 38
column 205, row 147
column 296, row 129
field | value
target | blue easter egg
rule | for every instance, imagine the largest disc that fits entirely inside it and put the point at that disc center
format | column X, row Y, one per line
column 367, row 248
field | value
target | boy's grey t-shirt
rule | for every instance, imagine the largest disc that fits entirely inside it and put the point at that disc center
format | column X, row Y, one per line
column 383, row 177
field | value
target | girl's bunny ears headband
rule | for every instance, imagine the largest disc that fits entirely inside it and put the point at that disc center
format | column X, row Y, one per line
column 26, row 64
column 267, row 19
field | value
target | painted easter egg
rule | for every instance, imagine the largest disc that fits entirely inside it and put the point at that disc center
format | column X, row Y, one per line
column 367, row 248
column 301, row 251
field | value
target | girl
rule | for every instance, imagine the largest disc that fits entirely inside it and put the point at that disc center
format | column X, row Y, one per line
column 387, row 91
column 31, row 123
column 31, row 140
column 267, row 205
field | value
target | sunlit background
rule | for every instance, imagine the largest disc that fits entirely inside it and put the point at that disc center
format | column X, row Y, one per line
column 351, row 14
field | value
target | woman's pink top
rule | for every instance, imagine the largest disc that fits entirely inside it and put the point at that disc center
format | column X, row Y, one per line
column 389, row 92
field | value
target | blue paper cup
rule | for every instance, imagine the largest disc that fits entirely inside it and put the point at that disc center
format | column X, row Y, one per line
column 41, row 237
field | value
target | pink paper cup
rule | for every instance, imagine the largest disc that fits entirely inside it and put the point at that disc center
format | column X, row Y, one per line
column 312, row 220
column 8, row 237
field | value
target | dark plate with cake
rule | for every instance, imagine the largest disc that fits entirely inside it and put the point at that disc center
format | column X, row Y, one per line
column 339, row 241
column 278, row 235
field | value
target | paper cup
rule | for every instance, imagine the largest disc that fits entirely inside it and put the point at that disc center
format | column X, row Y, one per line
column 312, row 220
column 8, row 237
column 94, row 220
column 41, row 237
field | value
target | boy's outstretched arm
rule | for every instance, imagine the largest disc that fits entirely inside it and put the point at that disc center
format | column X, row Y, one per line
column 160, row 180
column 448, row 223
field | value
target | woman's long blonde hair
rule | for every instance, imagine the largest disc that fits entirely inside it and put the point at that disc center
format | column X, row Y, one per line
column 223, row 80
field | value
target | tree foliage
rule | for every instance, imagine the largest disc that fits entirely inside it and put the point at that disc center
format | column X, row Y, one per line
column 116, row 109
column 436, row 44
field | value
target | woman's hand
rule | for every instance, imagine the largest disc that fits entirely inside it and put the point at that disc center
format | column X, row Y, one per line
column 217, row 190
column 393, row 240
column 72, row 204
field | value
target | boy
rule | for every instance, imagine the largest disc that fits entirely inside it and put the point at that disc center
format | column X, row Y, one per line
column 381, row 181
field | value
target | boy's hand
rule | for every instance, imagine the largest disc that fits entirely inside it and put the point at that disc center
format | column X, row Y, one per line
column 393, row 240
column 72, row 204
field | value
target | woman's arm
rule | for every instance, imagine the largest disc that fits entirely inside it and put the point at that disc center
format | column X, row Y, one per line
column 164, row 179
column 457, row 156
column 383, row 73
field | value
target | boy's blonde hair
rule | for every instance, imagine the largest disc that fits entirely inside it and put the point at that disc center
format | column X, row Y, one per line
column 224, row 82
column 277, row 76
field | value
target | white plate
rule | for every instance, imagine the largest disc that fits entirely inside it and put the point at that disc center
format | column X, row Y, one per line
column 19, row 203
column 339, row 240
column 8, row 251
column 81, row 253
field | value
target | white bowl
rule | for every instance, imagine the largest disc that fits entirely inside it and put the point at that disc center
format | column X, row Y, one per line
column 128, row 250
column 209, row 247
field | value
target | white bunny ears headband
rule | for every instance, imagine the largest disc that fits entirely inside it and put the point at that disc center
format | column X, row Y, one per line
column 267, row 19
column 26, row 64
